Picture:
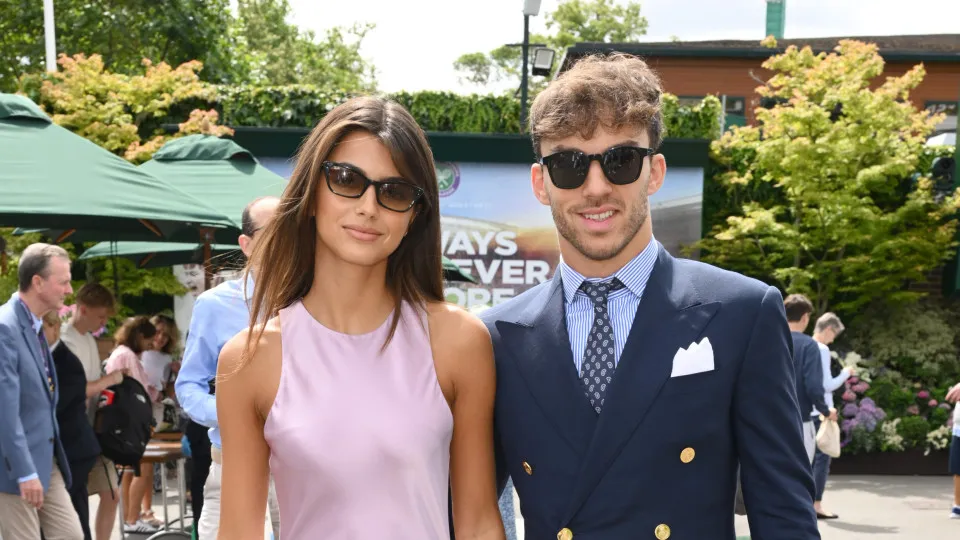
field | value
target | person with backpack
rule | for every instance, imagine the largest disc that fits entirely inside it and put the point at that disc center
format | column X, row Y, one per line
column 94, row 305
column 79, row 440
column 133, row 338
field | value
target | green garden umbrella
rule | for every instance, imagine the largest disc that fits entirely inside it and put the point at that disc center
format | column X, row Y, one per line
column 452, row 272
column 165, row 254
column 55, row 179
column 217, row 171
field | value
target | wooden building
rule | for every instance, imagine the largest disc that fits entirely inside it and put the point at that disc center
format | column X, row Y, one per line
column 730, row 69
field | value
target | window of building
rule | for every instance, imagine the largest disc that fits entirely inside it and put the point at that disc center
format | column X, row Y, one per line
column 947, row 107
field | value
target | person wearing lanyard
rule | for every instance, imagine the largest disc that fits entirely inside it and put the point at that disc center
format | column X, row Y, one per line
column 218, row 315
column 36, row 472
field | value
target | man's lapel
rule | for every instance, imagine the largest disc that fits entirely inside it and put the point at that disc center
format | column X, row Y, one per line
column 33, row 342
column 539, row 345
column 670, row 316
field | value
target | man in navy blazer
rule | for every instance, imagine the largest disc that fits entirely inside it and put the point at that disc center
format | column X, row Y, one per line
column 36, row 473
column 632, row 384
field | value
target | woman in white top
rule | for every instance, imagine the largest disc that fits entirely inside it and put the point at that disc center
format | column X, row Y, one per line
column 159, row 362
column 827, row 329
column 954, row 396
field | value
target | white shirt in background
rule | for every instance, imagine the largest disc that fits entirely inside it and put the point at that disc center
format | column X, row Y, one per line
column 156, row 364
column 956, row 420
column 85, row 347
column 830, row 383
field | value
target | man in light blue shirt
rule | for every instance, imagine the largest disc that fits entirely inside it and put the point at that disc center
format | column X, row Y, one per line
column 218, row 315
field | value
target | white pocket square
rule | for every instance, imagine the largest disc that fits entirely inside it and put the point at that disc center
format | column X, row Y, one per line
column 697, row 358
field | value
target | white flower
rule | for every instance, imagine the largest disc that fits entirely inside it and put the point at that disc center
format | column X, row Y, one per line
column 891, row 439
column 938, row 439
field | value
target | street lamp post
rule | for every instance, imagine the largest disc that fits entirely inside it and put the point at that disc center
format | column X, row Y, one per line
column 49, row 35
column 530, row 8
column 524, row 77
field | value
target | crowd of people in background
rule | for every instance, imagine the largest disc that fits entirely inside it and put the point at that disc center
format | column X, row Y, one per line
column 143, row 348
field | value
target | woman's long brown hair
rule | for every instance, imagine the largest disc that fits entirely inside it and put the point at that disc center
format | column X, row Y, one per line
column 132, row 330
column 283, row 259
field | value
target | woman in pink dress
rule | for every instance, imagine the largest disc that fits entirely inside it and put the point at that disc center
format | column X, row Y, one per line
column 368, row 398
column 133, row 338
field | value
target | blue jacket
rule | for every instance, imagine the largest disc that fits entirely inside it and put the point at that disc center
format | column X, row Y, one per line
column 663, row 455
column 808, row 370
column 29, row 435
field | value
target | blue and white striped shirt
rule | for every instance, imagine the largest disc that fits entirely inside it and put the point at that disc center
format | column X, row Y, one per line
column 621, row 304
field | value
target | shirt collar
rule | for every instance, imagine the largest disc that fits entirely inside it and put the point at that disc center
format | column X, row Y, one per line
column 36, row 321
column 634, row 275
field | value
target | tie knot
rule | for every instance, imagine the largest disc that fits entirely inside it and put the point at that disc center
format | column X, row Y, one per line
column 598, row 291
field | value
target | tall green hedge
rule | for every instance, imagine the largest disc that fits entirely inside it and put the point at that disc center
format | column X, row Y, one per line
column 304, row 106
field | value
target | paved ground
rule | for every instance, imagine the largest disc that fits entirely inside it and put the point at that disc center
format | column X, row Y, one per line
column 886, row 507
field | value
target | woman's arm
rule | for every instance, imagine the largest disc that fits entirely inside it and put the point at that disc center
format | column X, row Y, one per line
column 466, row 353
column 101, row 384
column 245, row 473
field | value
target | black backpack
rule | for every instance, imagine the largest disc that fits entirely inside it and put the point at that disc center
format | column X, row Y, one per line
column 123, row 422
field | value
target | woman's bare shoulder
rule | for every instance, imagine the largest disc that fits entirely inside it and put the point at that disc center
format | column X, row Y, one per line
column 244, row 352
column 456, row 329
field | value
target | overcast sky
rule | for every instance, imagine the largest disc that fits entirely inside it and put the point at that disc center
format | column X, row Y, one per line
column 416, row 41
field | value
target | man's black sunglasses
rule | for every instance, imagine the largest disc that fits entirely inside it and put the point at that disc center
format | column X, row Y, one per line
column 621, row 164
column 393, row 193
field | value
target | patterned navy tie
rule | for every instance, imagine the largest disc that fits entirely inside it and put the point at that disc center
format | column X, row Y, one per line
column 599, row 358
column 45, row 352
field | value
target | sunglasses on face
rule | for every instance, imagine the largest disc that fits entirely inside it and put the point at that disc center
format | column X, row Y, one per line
column 393, row 194
column 622, row 165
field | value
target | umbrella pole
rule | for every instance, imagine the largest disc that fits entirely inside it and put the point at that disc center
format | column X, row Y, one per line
column 207, row 236
column 116, row 270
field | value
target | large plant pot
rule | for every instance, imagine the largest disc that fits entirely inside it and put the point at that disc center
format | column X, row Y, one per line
column 909, row 462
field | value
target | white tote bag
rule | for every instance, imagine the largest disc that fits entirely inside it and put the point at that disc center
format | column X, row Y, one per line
column 828, row 437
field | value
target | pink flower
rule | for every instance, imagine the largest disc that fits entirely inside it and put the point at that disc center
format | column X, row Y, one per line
column 854, row 380
column 932, row 403
column 860, row 387
column 923, row 394
column 849, row 396
column 913, row 409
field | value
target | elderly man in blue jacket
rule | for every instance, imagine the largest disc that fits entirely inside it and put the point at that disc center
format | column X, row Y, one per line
column 36, row 473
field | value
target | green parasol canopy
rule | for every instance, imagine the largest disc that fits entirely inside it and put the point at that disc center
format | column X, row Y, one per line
column 217, row 171
column 165, row 254
column 55, row 179
column 452, row 272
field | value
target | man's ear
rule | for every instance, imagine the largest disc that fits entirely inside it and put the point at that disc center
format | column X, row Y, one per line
column 244, row 241
column 538, row 183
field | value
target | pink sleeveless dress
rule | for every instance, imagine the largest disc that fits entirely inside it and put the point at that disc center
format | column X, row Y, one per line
column 359, row 438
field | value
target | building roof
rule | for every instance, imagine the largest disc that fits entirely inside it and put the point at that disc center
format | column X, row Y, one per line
column 924, row 48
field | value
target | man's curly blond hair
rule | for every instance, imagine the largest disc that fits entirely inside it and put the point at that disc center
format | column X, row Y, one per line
column 614, row 92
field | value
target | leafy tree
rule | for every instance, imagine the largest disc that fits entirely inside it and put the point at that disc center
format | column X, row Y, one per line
column 279, row 53
column 828, row 201
column 574, row 21
column 257, row 45
column 122, row 32
column 122, row 113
